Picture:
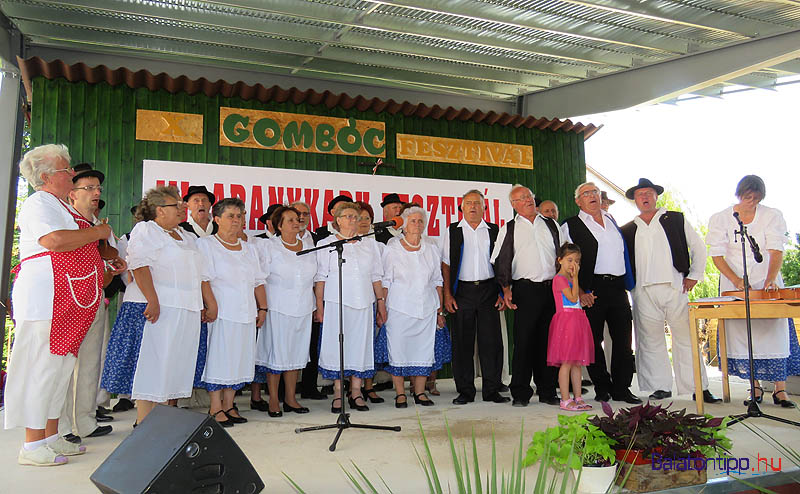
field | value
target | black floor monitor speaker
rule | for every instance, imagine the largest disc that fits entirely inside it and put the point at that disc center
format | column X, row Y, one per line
column 177, row 451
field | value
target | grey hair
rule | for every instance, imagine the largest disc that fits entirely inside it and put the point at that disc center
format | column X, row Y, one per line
column 295, row 203
column 751, row 183
column 414, row 210
column 229, row 202
column 42, row 160
column 519, row 186
column 473, row 191
column 154, row 198
column 578, row 188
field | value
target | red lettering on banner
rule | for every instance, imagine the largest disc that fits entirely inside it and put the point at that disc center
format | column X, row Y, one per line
column 275, row 195
column 500, row 221
column 362, row 196
column 159, row 183
column 403, row 197
column 433, row 223
column 184, row 188
column 460, row 213
column 312, row 196
column 256, row 208
column 238, row 191
column 294, row 194
column 346, row 193
column 448, row 209
column 219, row 191
column 417, row 199
column 328, row 197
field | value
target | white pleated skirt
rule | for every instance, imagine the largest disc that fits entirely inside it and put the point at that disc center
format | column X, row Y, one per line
column 358, row 336
column 230, row 358
column 283, row 342
column 167, row 356
column 410, row 339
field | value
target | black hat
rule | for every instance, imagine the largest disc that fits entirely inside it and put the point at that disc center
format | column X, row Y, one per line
column 101, row 204
column 134, row 208
column 84, row 170
column 338, row 199
column 604, row 198
column 643, row 184
column 266, row 216
column 198, row 189
column 391, row 199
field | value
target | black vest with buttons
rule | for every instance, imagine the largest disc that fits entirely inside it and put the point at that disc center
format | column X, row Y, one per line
column 673, row 224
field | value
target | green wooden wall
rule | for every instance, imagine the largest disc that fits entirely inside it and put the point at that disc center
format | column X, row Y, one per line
column 98, row 124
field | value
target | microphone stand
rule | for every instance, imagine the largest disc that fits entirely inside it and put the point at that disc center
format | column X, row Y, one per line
column 343, row 421
column 753, row 410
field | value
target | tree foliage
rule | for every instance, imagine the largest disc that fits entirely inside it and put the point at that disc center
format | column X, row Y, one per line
column 790, row 269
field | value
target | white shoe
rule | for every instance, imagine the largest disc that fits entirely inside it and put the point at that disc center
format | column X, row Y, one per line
column 63, row 447
column 42, row 456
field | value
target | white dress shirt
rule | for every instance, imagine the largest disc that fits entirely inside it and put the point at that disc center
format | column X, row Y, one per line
column 534, row 250
column 653, row 256
column 475, row 265
column 610, row 246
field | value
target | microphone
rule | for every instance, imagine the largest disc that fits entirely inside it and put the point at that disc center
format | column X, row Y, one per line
column 396, row 222
column 753, row 244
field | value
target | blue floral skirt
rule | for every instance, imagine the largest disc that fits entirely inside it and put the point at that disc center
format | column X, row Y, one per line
column 381, row 348
column 261, row 374
column 770, row 369
column 123, row 348
column 200, row 366
column 333, row 375
column 409, row 370
column 442, row 348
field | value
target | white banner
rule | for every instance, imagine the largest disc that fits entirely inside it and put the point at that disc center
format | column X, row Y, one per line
column 259, row 187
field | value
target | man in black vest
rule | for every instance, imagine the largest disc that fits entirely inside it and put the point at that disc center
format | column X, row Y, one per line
column 199, row 200
column 266, row 220
column 604, row 277
column 524, row 259
column 392, row 205
column 472, row 293
column 661, row 243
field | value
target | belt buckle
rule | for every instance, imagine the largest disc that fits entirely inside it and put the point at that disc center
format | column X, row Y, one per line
column 475, row 282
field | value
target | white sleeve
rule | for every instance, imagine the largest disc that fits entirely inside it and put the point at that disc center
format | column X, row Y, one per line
column 717, row 236
column 40, row 216
column 258, row 274
column 697, row 252
column 208, row 271
column 323, row 264
column 388, row 267
column 437, row 270
column 144, row 245
column 776, row 232
column 498, row 244
column 565, row 234
column 446, row 246
column 377, row 264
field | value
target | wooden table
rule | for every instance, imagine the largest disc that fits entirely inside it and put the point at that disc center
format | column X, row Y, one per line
column 759, row 309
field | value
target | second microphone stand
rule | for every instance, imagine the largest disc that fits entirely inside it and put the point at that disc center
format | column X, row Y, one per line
column 753, row 410
column 343, row 421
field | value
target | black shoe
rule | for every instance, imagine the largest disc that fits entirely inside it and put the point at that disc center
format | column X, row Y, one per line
column 397, row 404
column 123, row 405
column 366, row 392
column 73, row 438
column 313, row 395
column 519, row 403
column 260, row 405
column 708, row 397
column 103, row 410
column 602, row 396
column 759, row 398
column 289, row 409
column 550, row 400
column 101, row 431
column 274, row 414
column 660, row 394
column 102, row 417
column 419, row 401
column 783, row 403
column 335, row 409
column 327, row 389
column 627, row 397
column 497, row 398
column 503, row 388
column 234, row 419
column 462, row 399
column 355, row 406
column 382, row 386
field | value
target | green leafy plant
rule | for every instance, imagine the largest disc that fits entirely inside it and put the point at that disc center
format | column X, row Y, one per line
column 574, row 443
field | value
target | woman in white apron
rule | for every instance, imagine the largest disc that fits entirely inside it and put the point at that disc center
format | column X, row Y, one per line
column 413, row 279
column 771, row 337
column 361, row 286
column 168, row 270
column 283, row 344
column 234, row 271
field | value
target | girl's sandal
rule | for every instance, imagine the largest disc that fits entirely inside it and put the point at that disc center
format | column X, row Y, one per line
column 569, row 406
column 582, row 405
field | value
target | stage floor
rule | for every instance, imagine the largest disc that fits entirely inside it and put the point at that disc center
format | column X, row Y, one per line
column 273, row 447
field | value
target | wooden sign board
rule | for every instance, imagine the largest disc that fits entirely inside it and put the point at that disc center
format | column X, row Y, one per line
column 167, row 126
column 463, row 151
column 241, row 127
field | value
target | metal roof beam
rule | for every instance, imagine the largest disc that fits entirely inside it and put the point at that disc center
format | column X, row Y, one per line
column 531, row 19
column 663, row 81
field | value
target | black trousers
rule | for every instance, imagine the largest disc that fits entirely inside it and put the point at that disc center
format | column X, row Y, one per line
column 535, row 309
column 476, row 314
column 612, row 307
column 309, row 376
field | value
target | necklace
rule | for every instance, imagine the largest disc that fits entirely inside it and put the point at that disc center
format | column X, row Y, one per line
column 170, row 231
column 236, row 244
column 413, row 246
column 295, row 244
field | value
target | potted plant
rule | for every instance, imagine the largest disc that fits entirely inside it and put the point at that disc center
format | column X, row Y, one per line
column 579, row 445
column 663, row 448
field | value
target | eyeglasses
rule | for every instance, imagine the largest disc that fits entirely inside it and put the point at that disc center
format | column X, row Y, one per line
column 526, row 197
column 90, row 188
column 351, row 217
column 68, row 170
column 303, row 214
column 177, row 205
column 587, row 193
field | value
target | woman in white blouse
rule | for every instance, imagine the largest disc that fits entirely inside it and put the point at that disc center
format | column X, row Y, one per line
column 361, row 285
column 236, row 278
column 283, row 345
column 413, row 279
column 771, row 337
column 170, row 279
